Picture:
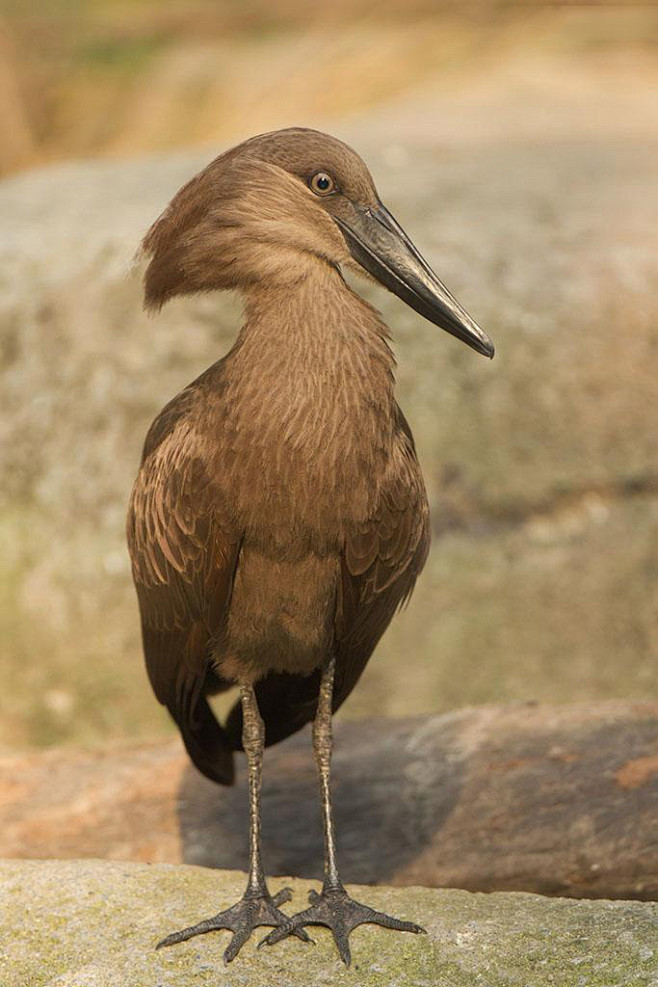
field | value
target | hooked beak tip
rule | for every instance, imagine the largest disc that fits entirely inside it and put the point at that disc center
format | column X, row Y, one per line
column 488, row 349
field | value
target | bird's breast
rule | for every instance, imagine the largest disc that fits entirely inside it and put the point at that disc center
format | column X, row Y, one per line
column 281, row 616
column 310, row 472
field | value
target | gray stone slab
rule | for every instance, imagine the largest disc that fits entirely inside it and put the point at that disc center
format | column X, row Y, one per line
column 94, row 924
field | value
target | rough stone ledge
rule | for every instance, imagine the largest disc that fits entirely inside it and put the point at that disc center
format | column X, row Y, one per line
column 557, row 800
column 94, row 923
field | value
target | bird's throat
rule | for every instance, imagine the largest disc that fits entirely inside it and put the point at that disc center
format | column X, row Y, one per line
column 316, row 357
column 311, row 396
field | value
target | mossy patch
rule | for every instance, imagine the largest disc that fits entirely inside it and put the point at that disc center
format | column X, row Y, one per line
column 94, row 924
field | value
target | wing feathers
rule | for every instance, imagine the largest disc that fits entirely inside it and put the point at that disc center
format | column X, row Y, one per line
column 381, row 562
column 184, row 559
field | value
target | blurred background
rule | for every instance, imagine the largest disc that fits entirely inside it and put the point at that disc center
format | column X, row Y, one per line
column 517, row 144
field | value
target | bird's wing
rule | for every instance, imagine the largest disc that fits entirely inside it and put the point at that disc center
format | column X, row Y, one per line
column 184, row 557
column 382, row 559
column 379, row 566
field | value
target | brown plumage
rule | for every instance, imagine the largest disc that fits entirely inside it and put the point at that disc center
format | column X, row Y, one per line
column 279, row 517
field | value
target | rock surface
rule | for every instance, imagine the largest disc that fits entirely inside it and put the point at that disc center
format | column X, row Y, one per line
column 555, row 800
column 94, row 924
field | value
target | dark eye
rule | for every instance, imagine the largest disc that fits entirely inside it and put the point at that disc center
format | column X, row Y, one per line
column 322, row 184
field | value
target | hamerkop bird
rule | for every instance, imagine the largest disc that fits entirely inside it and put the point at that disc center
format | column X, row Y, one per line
column 279, row 517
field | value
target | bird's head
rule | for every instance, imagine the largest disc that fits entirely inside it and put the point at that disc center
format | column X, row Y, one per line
column 273, row 208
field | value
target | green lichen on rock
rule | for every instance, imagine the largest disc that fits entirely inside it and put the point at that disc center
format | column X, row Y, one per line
column 95, row 923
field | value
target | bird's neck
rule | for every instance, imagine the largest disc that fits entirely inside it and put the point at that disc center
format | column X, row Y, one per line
column 315, row 345
column 310, row 393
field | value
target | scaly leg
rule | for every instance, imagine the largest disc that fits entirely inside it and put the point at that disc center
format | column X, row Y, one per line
column 333, row 907
column 257, row 906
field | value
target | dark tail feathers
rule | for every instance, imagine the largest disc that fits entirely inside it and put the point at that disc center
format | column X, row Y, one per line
column 206, row 741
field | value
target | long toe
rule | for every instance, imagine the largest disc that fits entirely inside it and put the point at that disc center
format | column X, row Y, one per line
column 342, row 914
column 241, row 919
column 219, row 921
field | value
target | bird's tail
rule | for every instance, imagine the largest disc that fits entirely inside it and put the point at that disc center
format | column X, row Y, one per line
column 205, row 740
column 181, row 681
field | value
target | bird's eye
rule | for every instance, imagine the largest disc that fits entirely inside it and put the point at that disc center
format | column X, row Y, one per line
column 322, row 184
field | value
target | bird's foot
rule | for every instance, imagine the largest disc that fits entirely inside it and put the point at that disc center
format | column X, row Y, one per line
column 241, row 919
column 335, row 909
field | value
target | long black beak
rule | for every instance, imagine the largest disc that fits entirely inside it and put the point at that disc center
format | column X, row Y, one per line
column 380, row 245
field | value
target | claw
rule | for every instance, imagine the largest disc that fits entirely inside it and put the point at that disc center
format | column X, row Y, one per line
column 287, row 930
column 340, row 913
column 241, row 919
column 280, row 898
column 237, row 942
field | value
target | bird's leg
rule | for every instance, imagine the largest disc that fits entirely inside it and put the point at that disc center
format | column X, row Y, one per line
column 333, row 907
column 253, row 741
column 323, row 742
column 257, row 906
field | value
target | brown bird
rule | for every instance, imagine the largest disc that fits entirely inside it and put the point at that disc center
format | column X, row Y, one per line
column 279, row 517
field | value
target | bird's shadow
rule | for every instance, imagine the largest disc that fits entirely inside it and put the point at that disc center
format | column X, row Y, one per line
column 390, row 796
